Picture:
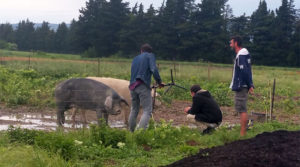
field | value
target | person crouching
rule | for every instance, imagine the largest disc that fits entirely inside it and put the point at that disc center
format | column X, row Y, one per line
column 204, row 110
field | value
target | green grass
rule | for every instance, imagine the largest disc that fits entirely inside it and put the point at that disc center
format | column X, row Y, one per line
column 160, row 144
column 28, row 156
column 48, row 72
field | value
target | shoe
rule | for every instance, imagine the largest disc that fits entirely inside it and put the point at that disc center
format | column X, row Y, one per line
column 249, row 124
column 208, row 130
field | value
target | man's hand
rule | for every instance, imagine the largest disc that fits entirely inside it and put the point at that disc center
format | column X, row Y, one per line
column 251, row 91
column 161, row 85
column 186, row 109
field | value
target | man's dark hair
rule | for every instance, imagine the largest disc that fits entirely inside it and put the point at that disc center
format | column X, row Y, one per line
column 146, row 48
column 195, row 88
column 238, row 40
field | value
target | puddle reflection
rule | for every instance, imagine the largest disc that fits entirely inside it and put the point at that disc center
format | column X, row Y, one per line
column 44, row 122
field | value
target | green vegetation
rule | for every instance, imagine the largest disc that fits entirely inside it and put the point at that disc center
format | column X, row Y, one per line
column 160, row 144
column 8, row 45
column 33, row 84
column 177, row 30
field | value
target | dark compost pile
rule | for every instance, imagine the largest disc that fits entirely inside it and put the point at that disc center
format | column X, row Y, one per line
column 276, row 149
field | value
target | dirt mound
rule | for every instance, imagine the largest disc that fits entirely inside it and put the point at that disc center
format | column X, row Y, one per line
column 277, row 149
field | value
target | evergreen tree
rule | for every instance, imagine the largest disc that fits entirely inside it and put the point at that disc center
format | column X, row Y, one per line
column 90, row 29
column 211, row 26
column 100, row 25
column 61, row 35
column 240, row 26
column 284, row 27
column 152, row 28
column 133, row 33
column 134, row 10
column 262, row 48
column 24, row 35
column 44, row 38
column 294, row 57
column 173, row 19
column 6, row 32
column 73, row 39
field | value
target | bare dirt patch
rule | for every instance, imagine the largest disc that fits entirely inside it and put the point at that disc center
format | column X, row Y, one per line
column 276, row 149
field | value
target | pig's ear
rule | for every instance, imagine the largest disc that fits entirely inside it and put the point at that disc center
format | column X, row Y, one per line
column 124, row 101
column 108, row 102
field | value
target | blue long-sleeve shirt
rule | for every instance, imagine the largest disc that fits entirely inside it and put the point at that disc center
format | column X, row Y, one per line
column 242, row 72
column 142, row 67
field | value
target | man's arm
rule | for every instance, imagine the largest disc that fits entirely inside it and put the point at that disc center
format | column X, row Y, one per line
column 246, row 71
column 153, row 68
column 196, row 107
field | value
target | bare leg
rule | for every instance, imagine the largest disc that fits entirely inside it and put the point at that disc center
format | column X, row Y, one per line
column 244, row 119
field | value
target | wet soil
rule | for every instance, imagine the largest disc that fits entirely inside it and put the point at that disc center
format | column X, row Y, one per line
column 276, row 149
column 45, row 118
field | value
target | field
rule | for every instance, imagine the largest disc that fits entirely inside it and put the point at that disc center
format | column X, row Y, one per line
column 27, row 82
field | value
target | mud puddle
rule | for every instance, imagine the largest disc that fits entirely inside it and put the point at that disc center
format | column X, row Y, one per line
column 45, row 122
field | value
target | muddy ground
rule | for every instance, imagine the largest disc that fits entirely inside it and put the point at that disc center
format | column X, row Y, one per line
column 45, row 118
column 276, row 149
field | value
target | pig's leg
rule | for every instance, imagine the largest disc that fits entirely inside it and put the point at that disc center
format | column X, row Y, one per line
column 83, row 116
column 106, row 117
column 60, row 116
column 74, row 112
column 100, row 115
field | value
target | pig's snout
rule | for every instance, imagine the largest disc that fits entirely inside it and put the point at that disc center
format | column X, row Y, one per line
column 116, row 112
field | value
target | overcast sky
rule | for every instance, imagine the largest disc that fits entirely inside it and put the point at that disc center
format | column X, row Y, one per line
column 57, row 11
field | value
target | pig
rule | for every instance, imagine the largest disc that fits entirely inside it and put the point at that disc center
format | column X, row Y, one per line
column 87, row 94
column 122, row 88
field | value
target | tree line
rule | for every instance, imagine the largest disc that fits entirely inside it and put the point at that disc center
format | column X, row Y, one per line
column 177, row 30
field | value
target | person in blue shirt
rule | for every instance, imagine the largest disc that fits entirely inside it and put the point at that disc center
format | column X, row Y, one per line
column 142, row 68
column 241, row 80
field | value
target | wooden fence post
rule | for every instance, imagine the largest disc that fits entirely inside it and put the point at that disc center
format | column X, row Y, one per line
column 29, row 59
column 1, row 57
column 98, row 67
column 208, row 70
column 174, row 68
column 272, row 99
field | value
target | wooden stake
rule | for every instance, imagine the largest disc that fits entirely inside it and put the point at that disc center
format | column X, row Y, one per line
column 98, row 67
column 1, row 57
column 272, row 101
column 29, row 60
column 269, row 113
column 208, row 70
column 174, row 68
